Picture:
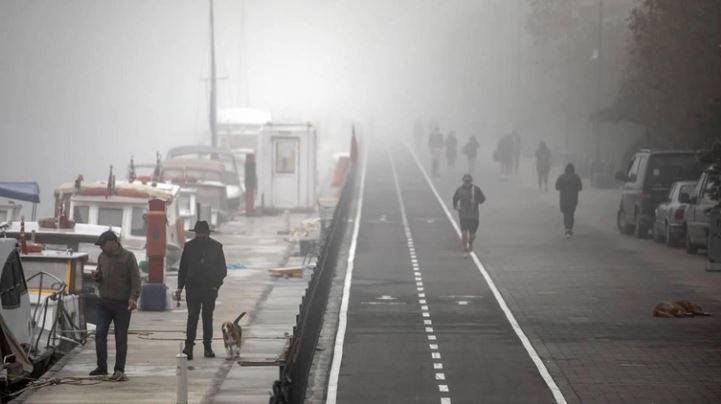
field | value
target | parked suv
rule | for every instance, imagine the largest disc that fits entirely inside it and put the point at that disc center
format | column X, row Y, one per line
column 647, row 181
column 697, row 212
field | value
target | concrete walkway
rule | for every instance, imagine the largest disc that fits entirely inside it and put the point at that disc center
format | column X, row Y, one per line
column 155, row 337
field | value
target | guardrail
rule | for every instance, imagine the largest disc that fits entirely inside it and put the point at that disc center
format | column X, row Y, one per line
column 291, row 387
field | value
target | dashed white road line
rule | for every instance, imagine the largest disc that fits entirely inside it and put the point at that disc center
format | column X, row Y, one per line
column 443, row 388
column 332, row 390
column 557, row 394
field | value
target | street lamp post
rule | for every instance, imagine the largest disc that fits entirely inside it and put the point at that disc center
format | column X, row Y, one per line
column 599, row 71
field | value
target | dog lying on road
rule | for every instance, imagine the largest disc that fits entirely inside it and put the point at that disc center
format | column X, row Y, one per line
column 678, row 308
column 232, row 337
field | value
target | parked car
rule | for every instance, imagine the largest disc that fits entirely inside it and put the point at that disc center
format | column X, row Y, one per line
column 647, row 181
column 697, row 212
column 669, row 224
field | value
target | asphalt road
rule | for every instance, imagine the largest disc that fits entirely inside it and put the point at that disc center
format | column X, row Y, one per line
column 424, row 325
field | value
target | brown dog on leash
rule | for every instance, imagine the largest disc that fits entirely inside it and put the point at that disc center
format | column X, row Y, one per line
column 678, row 308
column 233, row 337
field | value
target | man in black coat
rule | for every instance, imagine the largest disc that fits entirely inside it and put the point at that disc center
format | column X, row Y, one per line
column 569, row 185
column 201, row 272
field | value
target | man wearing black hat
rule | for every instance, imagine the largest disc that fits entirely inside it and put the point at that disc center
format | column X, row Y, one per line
column 201, row 272
column 118, row 281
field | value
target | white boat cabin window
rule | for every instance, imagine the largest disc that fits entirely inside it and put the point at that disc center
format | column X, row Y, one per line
column 285, row 156
column 110, row 217
column 12, row 282
column 4, row 215
column 81, row 214
column 137, row 225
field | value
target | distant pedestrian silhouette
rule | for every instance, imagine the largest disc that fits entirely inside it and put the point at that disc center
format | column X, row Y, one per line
column 569, row 185
column 543, row 165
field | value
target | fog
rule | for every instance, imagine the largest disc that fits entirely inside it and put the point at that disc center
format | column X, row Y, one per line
column 86, row 84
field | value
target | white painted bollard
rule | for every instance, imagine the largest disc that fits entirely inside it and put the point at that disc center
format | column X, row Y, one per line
column 181, row 373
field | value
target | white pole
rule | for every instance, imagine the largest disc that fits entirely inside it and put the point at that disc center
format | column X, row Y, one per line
column 181, row 389
column 286, row 213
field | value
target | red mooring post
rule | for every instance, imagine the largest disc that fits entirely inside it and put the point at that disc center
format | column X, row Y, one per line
column 156, row 240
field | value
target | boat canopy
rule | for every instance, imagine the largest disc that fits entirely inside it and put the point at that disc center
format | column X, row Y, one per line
column 22, row 191
column 196, row 150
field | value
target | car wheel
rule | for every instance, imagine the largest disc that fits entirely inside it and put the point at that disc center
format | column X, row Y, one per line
column 641, row 231
column 670, row 240
column 690, row 248
column 621, row 223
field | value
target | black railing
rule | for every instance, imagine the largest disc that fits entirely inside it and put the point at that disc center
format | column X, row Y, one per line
column 291, row 387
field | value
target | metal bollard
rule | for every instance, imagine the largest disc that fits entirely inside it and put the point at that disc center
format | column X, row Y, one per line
column 181, row 372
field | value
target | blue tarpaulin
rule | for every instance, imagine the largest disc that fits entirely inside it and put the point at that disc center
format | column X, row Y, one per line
column 23, row 191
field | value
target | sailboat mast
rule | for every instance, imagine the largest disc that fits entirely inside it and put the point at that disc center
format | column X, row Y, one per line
column 213, row 112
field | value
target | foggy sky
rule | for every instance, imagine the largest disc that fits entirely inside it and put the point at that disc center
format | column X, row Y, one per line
column 85, row 84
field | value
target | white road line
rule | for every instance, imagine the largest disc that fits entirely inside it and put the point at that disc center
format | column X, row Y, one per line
column 332, row 391
column 424, row 307
column 557, row 394
column 445, row 400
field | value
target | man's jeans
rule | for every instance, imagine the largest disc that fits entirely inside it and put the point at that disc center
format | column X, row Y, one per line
column 119, row 315
column 200, row 301
column 568, row 220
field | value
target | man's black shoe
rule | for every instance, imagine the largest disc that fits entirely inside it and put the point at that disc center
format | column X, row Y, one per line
column 209, row 351
column 188, row 351
column 99, row 372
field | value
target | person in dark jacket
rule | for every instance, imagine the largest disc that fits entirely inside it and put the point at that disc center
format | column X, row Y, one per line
column 470, row 149
column 118, row 279
column 569, row 185
column 435, row 145
column 202, row 270
column 451, row 149
column 466, row 200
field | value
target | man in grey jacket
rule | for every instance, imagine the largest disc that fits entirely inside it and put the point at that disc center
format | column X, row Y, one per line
column 118, row 281
column 466, row 201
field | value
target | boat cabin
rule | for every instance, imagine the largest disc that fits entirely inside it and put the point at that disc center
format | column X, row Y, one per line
column 9, row 211
column 230, row 175
column 80, row 237
column 123, row 206
column 16, row 320
column 202, row 193
column 13, row 194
